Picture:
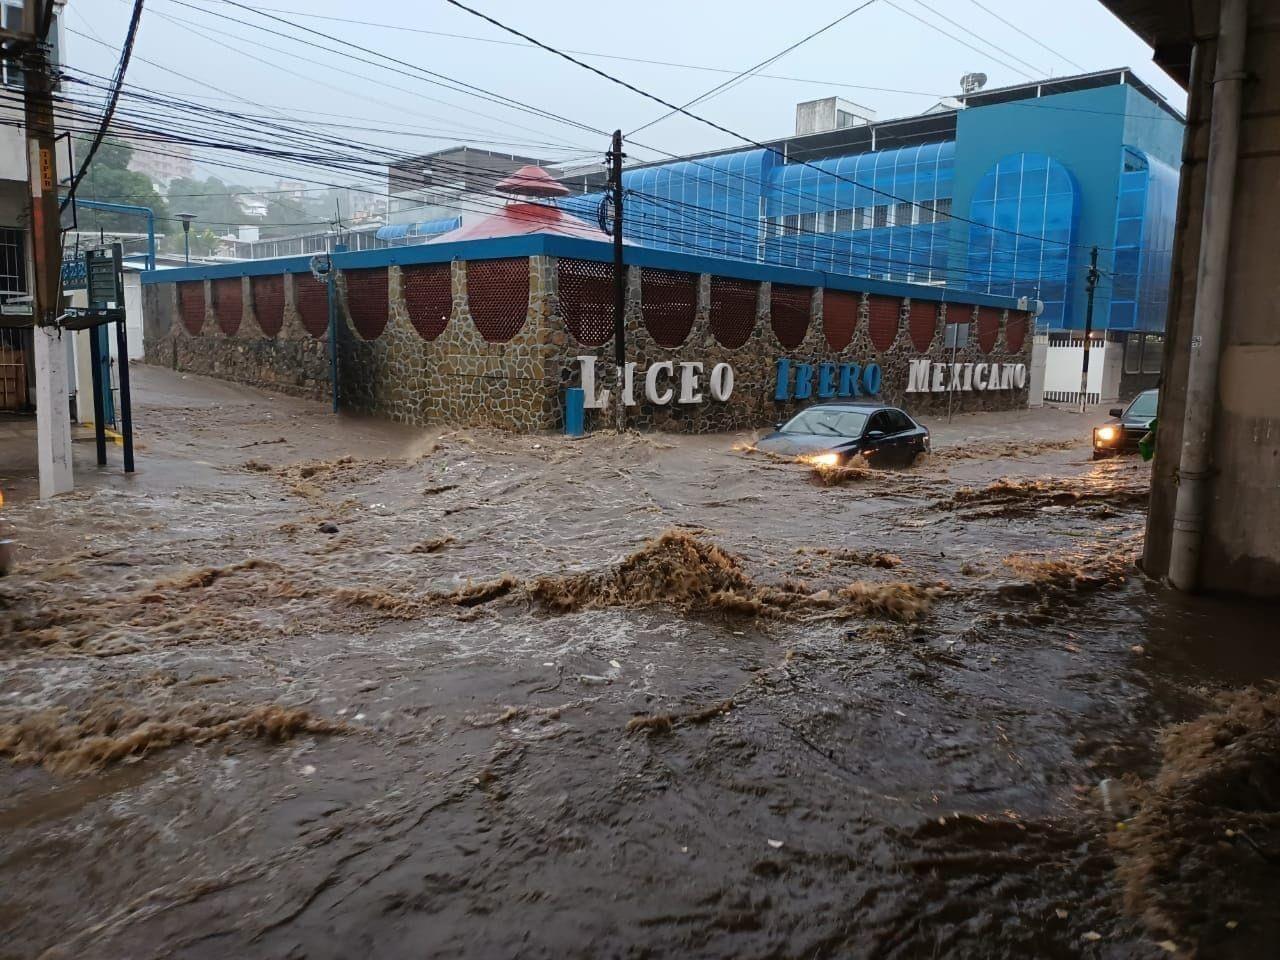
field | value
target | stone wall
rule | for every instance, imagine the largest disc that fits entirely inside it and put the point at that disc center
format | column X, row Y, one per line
column 458, row 376
column 754, row 362
column 292, row 361
column 417, row 345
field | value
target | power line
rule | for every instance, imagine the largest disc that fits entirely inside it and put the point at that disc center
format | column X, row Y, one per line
column 723, row 129
column 959, row 40
column 122, row 66
column 1029, row 36
column 420, row 73
column 980, row 38
column 725, row 85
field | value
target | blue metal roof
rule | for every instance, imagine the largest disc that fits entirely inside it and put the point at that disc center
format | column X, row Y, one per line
column 426, row 228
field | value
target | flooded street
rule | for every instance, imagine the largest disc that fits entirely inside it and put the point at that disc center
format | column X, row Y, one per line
column 307, row 687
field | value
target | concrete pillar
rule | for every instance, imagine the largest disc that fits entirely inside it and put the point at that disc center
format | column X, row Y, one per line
column 53, row 413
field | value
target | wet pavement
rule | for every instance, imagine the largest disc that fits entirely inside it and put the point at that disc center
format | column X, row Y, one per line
column 302, row 687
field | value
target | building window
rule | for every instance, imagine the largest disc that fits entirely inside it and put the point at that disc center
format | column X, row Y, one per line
column 880, row 216
column 1152, row 353
column 902, row 214
column 791, row 224
column 942, row 208
column 1133, row 354
column 808, row 222
column 13, row 262
column 11, row 19
column 844, row 221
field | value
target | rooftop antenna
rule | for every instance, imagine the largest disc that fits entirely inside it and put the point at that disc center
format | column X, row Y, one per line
column 972, row 82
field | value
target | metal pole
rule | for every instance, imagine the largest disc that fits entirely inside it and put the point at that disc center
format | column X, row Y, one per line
column 1202, row 401
column 126, row 398
column 99, row 414
column 129, row 208
column 1088, row 327
column 619, row 279
column 332, row 279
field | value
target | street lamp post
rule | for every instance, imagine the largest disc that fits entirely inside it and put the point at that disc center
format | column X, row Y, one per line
column 186, row 219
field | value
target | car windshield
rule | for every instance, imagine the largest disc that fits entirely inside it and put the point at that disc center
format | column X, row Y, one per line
column 1144, row 405
column 831, row 422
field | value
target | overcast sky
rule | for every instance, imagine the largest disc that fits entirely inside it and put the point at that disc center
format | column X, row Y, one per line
column 882, row 57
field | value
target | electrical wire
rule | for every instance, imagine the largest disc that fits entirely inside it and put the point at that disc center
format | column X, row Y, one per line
column 737, row 78
column 122, row 66
column 711, row 123
column 1029, row 36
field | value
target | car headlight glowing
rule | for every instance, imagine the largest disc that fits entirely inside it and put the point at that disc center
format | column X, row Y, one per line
column 825, row 460
column 1106, row 434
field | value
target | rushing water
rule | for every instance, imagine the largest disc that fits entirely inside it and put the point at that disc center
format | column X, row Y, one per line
column 826, row 785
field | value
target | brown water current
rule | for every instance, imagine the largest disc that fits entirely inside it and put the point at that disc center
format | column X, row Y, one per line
column 307, row 687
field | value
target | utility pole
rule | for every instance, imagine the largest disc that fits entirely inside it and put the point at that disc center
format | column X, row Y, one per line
column 53, row 410
column 1092, row 284
column 619, row 279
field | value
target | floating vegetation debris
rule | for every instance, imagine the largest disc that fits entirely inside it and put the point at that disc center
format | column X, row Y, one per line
column 66, row 741
column 1011, row 497
column 1071, row 573
column 666, row 722
column 1200, row 861
column 679, row 570
column 434, row 545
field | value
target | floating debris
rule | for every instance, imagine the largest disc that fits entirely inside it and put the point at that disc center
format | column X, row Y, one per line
column 64, row 741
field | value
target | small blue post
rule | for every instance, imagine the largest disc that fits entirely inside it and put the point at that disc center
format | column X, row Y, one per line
column 574, row 411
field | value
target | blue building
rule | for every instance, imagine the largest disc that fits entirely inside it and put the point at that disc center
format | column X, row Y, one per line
column 1001, row 191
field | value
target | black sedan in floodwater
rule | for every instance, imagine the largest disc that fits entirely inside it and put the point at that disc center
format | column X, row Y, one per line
column 833, row 434
column 1130, row 424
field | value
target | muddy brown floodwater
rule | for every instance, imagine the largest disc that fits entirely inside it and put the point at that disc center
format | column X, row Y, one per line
column 317, row 688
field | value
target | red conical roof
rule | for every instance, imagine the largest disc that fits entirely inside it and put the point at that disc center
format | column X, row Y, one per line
column 519, row 217
column 531, row 181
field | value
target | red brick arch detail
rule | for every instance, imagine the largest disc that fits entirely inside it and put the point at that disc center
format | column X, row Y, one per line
column 882, row 322
column 228, row 303
column 191, row 305
column 311, row 299
column 789, row 313
column 498, row 297
column 428, row 296
column 988, row 328
column 1015, row 331
column 668, row 302
column 268, row 302
column 840, row 317
column 733, row 310
column 367, row 301
column 922, row 323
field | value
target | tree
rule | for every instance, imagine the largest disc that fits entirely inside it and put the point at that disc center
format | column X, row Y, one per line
column 213, row 202
column 109, row 178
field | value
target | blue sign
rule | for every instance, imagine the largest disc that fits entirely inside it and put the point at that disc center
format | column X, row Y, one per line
column 74, row 276
column 843, row 380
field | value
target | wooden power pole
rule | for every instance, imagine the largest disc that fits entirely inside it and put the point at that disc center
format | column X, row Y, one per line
column 53, row 412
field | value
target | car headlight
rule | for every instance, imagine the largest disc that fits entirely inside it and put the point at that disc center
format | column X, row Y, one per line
column 1105, row 434
column 825, row 460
